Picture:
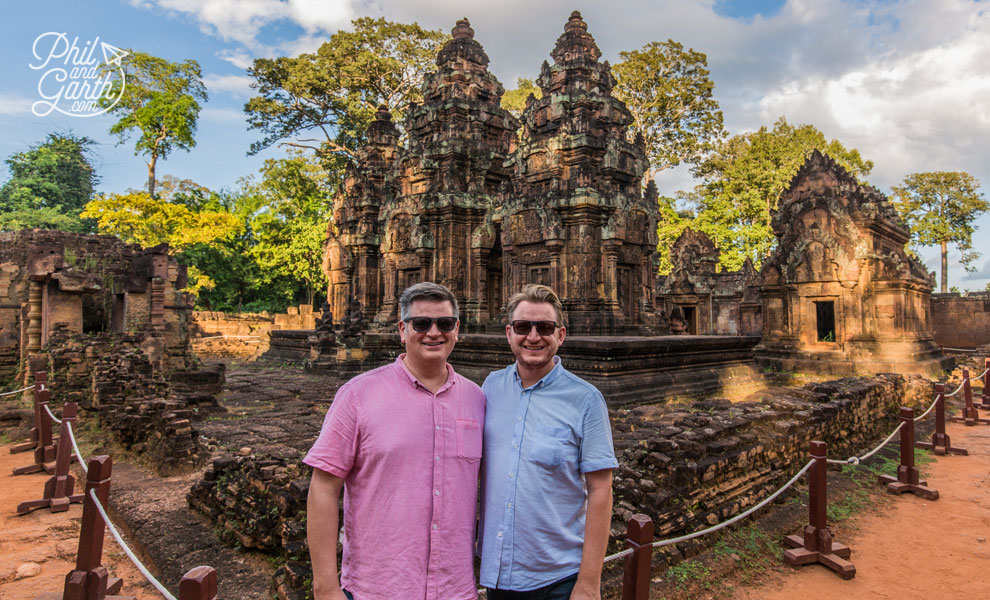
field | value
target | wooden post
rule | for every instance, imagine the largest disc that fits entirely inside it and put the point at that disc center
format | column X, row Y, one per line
column 44, row 451
column 817, row 545
column 636, row 571
column 40, row 379
column 984, row 402
column 59, row 487
column 940, row 444
column 90, row 580
column 970, row 415
column 200, row 583
column 908, row 478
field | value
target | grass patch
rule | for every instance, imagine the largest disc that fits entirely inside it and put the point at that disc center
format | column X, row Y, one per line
column 754, row 550
column 687, row 571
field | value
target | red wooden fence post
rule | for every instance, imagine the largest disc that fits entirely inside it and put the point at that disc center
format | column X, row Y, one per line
column 817, row 545
column 636, row 570
column 984, row 402
column 44, row 452
column 40, row 379
column 59, row 487
column 90, row 580
column 970, row 416
column 200, row 583
column 908, row 479
column 940, row 444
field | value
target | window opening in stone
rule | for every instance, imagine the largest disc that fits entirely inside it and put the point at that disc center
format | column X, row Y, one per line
column 95, row 314
column 692, row 321
column 825, row 313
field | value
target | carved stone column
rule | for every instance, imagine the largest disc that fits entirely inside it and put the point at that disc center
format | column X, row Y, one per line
column 425, row 256
column 34, row 317
column 611, row 250
column 555, row 247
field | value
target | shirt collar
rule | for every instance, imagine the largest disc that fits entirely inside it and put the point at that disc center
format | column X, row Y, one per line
column 547, row 379
column 451, row 379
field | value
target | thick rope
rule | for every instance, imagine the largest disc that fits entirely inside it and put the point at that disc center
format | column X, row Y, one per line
column 960, row 349
column 957, row 389
column 137, row 563
column 215, row 337
column 980, row 376
column 855, row 460
column 930, row 409
column 722, row 525
column 16, row 391
column 75, row 448
column 52, row 415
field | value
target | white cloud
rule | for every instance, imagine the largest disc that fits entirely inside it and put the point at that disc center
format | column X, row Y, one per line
column 238, row 86
column 12, row 105
column 222, row 115
column 238, row 58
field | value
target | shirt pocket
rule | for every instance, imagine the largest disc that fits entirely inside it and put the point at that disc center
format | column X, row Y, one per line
column 546, row 446
column 469, row 437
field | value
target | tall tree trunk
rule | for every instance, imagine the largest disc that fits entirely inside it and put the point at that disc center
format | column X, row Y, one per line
column 151, row 174
column 945, row 267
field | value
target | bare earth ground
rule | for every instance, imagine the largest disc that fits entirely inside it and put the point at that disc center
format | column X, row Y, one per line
column 913, row 548
column 48, row 539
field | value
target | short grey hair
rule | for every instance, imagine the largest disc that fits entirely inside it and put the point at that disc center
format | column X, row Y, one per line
column 429, row 291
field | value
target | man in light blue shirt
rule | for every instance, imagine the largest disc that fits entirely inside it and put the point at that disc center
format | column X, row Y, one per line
column 546, row 472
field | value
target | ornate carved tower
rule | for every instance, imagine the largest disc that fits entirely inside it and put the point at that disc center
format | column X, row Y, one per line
column 437, row 226
column 577, row 219
column 351, row 256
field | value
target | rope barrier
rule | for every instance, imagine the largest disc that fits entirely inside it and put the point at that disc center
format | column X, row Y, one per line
column 855, row 460
column 214, row 337
column 16, row 391
column 957, row 389
column 930, row 409
column 75, row 447
column 722, row 525
column 960, row 349
column 980, row 376
column 51, row 415
column 123, row 545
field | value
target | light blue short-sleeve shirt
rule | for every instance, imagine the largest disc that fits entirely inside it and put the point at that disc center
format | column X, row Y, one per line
column 539, row 443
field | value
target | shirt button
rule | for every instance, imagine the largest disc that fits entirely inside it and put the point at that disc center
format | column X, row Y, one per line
column 517, row 418
column 436, row 492
column 516, row 445
column 438, row 459
column 434, row 525
column 510, row 505
column 511, row 475
column 499, row 533
column 438, row 428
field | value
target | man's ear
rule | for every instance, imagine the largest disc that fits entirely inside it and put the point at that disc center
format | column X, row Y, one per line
column 402, row 332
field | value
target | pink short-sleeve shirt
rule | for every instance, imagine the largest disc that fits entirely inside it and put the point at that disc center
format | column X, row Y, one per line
column 409, row 460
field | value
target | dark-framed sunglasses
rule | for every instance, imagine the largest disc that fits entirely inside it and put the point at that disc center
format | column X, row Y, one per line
column 542, row 327
column 423, row 324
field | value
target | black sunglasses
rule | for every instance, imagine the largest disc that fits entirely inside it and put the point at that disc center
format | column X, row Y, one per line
column 542, row 327
column 423, row 324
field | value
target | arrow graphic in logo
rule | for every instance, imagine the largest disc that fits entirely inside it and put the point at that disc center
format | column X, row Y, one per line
column 112, row 54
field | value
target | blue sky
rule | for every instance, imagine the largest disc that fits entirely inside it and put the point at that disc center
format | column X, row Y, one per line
column 905, row 82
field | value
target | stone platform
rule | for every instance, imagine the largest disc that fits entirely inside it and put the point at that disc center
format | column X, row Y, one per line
column 627, row 370
column 903, row 357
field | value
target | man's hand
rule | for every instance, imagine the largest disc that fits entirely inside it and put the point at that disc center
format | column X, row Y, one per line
column 586, row 592
column 322, row 510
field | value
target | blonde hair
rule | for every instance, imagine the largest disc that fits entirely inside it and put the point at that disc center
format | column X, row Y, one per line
column 537, row 294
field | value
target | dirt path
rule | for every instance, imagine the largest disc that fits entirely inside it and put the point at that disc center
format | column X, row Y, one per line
column 915, row 548
column 47, row 539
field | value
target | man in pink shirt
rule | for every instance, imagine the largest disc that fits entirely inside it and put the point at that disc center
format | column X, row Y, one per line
column 404, row 443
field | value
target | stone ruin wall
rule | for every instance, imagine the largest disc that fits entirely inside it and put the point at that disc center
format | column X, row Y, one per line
column 961, row 321
column 209, row 324
column 112, row 376
column 688, row 466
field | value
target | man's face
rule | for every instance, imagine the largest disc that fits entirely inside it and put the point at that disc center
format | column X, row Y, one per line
column 534, row 350
column 433, row 344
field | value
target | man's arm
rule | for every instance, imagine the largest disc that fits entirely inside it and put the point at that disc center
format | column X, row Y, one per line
column 322, row 524
column 597, row 525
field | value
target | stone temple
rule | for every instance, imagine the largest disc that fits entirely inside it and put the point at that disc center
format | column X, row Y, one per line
column 484, row 204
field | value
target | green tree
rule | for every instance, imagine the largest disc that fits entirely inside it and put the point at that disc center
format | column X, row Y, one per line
column 673, row 221
column 669, row 92
column 49, row 185
column 161, row 102
column 514, row 100
column 744, row 178
column 940, row 209
column 326, row 100
column 294, row 206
